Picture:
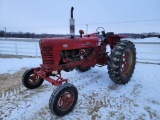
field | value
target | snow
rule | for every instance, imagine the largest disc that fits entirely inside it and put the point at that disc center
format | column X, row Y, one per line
column 11, row 65
column 99, row 97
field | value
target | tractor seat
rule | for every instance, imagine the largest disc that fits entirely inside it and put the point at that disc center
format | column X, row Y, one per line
column 109, row 34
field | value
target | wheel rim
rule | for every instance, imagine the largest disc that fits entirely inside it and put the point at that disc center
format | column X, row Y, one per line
column 33, row 79
column 127, row 63
column 65, row 100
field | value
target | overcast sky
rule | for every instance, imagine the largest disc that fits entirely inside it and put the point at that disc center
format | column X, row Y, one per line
column 52, row 16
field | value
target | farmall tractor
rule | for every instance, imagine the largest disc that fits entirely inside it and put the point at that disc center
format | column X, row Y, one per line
column 81, row 53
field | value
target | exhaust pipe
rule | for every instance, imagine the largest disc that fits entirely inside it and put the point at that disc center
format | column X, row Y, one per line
column 72, row 24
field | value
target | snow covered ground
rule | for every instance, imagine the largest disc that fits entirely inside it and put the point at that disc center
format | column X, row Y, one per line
column 12, row 65
column 99, row 97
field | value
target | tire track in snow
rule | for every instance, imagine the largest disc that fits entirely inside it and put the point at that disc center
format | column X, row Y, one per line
column 22, row 99
column 12, row 91
column 18, row 89
column 44, row 112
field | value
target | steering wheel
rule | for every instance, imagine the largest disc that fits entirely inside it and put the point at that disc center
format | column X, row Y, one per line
column 100, row 31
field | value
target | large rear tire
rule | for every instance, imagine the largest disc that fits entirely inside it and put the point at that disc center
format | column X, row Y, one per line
column 63, row 99
column 30, row 81
column 121, row 63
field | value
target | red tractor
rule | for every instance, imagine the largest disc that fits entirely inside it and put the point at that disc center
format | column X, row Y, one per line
column 81, row 53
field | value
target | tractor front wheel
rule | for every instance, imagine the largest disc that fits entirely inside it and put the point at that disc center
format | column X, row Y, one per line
column 31, row 81
column 63, row 99
column 121, row 63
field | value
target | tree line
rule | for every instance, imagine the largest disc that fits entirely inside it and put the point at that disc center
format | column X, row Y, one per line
column 44, row 35
column 27, row 35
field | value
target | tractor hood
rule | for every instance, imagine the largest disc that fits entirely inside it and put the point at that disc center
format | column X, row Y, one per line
column 65, row 43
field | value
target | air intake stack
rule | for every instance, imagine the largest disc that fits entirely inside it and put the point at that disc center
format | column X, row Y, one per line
column 72, row 24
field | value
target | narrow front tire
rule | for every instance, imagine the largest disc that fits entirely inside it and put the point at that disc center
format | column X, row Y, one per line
column 29, row 80
column 63, row 99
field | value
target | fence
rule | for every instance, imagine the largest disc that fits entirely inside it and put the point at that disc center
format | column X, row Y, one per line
column 20, row 48
column 146, row 51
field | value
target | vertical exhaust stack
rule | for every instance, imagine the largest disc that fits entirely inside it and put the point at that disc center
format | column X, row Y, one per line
column 72, row 24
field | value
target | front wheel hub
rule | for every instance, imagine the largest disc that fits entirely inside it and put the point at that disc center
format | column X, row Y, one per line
column 66, row 100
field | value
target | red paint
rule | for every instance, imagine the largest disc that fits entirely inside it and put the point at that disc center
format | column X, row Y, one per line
column 56, row 54
column 65, row 100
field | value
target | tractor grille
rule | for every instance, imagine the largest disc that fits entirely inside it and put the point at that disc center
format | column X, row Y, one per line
column 47, row 54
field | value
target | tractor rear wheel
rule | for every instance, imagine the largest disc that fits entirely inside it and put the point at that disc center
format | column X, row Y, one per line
column 121, row 63
column 63, row 99
column 30, row 81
